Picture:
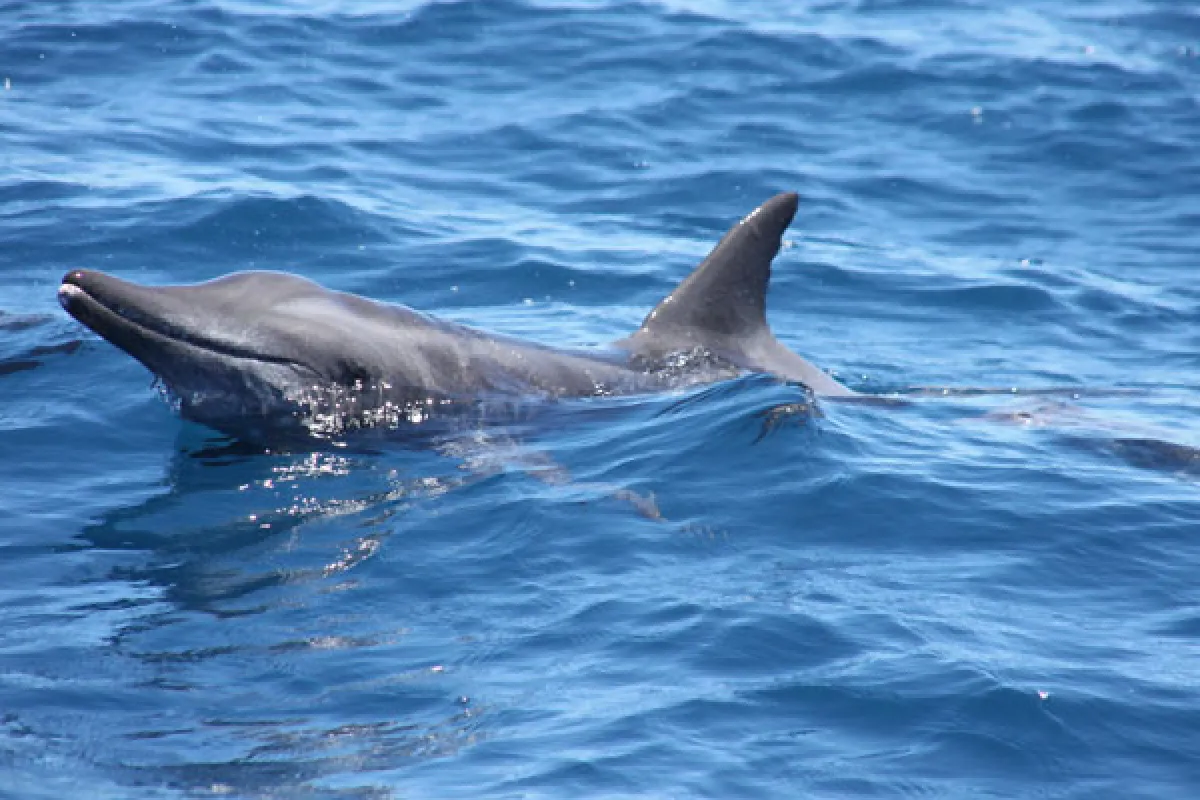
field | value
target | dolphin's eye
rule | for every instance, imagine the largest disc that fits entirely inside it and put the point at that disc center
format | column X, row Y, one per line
column 349, row 373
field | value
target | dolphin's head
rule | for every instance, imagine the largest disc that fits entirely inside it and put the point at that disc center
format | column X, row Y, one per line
column 252, row 344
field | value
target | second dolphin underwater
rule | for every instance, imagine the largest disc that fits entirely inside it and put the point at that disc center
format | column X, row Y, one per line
column 263, row 350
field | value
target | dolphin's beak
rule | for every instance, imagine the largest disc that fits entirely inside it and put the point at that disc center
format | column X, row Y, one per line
column 125, row 314
column 153, row 322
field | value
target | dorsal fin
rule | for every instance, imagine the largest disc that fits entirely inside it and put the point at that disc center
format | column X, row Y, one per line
column 726, row 296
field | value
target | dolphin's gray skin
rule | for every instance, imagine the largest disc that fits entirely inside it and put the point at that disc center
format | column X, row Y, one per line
column 274, row 346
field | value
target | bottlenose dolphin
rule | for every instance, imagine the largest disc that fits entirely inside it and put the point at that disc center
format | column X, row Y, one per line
column 264, row 347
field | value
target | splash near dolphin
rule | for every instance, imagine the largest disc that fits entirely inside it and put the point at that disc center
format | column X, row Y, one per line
column 255, row 351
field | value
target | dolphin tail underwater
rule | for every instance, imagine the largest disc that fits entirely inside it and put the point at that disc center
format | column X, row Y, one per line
column 278, row 347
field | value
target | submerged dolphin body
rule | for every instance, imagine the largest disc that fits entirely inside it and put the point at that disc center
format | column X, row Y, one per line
column 270, row 348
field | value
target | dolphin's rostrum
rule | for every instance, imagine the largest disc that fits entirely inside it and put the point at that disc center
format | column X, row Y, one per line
column 265, row 348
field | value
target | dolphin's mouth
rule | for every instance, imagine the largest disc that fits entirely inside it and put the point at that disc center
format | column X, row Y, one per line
column 100, row 302
column 219, row 383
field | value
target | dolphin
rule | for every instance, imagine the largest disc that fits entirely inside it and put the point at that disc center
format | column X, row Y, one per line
column 255, row 349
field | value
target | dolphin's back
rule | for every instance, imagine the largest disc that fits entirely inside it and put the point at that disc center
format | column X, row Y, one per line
column 721, row 307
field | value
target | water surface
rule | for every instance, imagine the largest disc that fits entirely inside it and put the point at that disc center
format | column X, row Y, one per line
column 689, row 595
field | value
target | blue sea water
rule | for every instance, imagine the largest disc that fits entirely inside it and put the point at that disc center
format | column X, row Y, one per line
column 692, row 595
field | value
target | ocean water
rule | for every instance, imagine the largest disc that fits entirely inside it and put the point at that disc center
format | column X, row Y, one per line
column 702, row 594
